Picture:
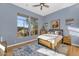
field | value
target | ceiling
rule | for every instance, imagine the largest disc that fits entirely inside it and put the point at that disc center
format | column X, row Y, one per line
column 53, row 7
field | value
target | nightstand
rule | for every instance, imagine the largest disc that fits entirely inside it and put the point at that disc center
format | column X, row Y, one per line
column 67, row 39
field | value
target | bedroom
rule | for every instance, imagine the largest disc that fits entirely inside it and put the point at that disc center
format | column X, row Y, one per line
column 59, row 21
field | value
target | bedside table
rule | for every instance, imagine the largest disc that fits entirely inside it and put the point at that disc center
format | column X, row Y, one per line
column 67, row 39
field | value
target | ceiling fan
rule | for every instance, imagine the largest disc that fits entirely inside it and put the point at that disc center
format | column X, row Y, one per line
column 41, row 5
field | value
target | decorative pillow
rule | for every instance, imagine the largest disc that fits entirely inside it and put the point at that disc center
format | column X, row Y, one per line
column 57, row 32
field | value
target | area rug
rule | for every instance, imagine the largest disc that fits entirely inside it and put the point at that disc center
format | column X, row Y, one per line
column 60, row 51
column 28, row 50
column 35, row 49
column 49, row 52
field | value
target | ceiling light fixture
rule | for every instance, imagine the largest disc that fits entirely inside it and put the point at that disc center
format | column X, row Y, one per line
column 41, row 5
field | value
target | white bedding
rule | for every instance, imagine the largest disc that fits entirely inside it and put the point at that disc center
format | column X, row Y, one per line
column 50, row 37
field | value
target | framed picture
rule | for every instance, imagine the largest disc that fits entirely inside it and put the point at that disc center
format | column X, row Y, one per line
column 69, row 21
column 56, row 24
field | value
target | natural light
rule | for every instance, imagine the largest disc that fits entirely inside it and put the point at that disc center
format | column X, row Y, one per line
column 73, row 31
column 22, row 22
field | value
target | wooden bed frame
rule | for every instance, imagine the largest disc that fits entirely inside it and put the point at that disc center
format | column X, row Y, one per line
column 49, row 44
column 45, row 43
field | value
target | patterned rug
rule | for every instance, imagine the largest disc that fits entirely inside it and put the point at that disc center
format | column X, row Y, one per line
column 49, row 52
column 60, row 51
column 29, row 50
column 32, row 50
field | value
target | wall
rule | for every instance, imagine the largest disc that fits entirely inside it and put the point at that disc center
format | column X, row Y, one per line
column 8, row 22
column 8, row 18
column 66, row 13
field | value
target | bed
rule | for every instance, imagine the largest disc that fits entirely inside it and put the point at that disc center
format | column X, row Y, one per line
column 52, row 39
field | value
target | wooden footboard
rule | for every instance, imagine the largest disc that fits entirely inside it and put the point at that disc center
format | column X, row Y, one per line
column 48, row 44
column 45, row 43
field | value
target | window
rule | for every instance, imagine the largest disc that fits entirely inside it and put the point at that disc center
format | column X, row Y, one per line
column 22, row 26
column 73, row 31
column 34, row 26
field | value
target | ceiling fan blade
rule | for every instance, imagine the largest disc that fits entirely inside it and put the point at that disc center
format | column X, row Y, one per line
column 46, row 6
column 35, row 5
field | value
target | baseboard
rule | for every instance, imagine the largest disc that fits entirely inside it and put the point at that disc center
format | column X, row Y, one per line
column 67, row 43
column 20, row 43
column 75, row 45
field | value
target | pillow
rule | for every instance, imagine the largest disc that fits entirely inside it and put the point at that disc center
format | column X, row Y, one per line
column 51, row 33
column 57, row 32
